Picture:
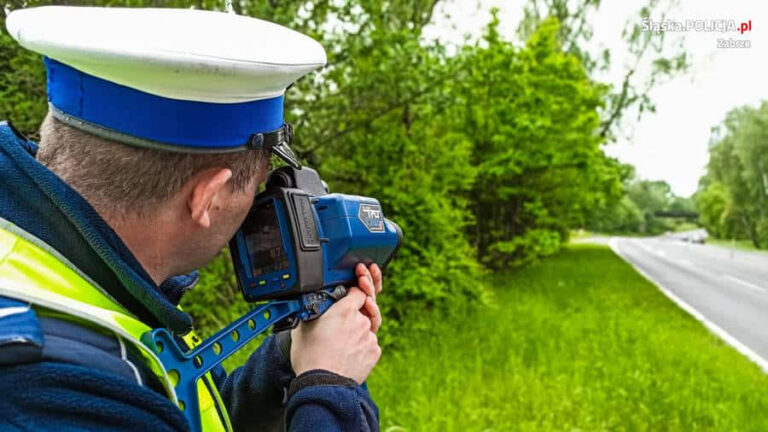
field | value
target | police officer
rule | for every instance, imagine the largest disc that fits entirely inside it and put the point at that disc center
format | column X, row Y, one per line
column 159, row 132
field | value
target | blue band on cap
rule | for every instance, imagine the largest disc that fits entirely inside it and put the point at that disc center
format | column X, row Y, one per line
column 201, row 125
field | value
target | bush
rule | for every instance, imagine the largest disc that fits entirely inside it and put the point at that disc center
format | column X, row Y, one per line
column 531, row 114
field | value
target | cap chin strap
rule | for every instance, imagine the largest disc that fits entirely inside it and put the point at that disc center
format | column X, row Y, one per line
column 278, row 142
column 284, row 152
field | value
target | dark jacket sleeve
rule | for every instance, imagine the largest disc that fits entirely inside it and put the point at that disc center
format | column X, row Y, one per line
column 60, row 397
column 323, row 401
column 254, row 393
column 257, row 396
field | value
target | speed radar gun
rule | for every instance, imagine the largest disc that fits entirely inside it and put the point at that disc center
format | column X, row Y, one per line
column 295, row 254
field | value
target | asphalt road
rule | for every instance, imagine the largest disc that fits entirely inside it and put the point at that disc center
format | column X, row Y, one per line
column 725, row 289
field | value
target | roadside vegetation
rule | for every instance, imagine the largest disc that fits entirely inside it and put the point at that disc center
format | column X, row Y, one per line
column 733, row 194
column 579, row 341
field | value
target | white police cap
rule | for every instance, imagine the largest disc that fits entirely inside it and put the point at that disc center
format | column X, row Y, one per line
column 177, row 79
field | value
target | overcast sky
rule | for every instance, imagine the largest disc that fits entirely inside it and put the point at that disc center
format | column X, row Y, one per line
column 672, row 143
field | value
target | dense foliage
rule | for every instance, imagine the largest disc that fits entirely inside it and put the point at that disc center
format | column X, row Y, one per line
column 733, row 195
column 486, row 154
column 532, row 115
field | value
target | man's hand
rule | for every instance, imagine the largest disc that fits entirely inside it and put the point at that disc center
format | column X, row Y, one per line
column 341, row 341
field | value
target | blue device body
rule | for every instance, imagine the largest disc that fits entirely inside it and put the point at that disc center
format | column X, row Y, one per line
column 297, row 238
column 354, row 235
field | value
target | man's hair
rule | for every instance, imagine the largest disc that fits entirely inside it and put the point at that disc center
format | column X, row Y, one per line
column 122, row 180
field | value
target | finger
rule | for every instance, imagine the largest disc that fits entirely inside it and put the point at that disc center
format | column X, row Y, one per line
column 365, row 280
column 362, row 273
column 366, row 284
column 360, row 270
column 377, row 277
column 355, row 299
column 371, row 309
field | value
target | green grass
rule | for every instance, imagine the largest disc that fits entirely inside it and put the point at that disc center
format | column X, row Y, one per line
column 581, row 233
column 577, row 342
column 746, row 245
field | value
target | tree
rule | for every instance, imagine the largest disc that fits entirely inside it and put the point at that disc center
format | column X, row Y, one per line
column 733, row 195
column 715, row 211
column 532, row 114
column 666, row 57
column 650, row 197
column 383, row 128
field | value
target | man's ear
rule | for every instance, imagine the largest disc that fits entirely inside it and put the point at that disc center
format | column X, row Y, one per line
column 208, row 185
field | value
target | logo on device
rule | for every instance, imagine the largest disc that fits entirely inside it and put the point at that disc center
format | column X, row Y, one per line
column 370, row 216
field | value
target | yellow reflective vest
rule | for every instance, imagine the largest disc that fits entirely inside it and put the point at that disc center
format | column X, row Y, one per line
column 33, row 272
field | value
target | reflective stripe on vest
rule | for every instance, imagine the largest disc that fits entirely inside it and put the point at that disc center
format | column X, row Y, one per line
column 33, row 274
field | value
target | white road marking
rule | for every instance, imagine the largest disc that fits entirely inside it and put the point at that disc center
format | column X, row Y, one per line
column 641, row 244
column 714, row 328
column 660, row 252
column 744, row 283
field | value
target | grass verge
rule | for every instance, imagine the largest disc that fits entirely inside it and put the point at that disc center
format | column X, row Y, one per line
column 746, row 245
column 577, row 342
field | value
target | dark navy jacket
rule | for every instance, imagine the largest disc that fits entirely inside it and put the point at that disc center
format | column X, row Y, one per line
column 55, row 375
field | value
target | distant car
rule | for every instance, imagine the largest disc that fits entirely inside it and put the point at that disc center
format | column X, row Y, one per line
column 699, row 237
column 695, row 236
